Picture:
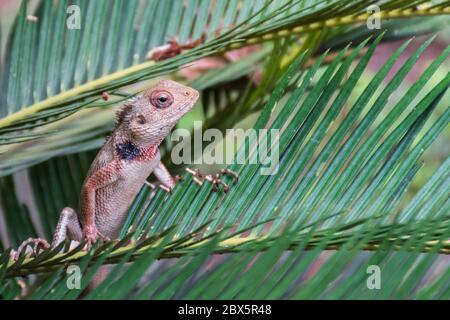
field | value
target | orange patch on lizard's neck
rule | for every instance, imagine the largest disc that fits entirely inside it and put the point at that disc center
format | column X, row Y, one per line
column 147, row 153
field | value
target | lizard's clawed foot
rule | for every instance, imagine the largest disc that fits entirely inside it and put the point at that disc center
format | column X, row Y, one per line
column 162, row 186
column 91, row 235
column 34, row 243
column 214, row 179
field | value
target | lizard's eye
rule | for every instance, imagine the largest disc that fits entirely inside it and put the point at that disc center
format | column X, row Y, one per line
column 161, row 99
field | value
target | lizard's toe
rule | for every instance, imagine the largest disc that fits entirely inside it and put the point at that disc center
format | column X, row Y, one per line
column 30, row 247
column 90, row 235
column 214, row 179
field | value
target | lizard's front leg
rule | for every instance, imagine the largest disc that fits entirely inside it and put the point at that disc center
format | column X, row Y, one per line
column 99, row 179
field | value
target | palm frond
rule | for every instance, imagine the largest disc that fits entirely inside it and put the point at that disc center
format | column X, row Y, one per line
column 333, row 208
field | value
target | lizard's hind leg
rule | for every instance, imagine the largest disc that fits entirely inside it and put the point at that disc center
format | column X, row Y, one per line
column 68, row 227
column 26, row 246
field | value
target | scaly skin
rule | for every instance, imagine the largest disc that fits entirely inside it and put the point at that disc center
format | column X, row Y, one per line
column 128, row 157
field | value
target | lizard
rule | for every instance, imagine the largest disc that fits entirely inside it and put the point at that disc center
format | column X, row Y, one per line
column 121, row 167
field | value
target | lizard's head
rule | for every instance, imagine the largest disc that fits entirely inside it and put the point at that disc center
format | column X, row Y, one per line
column 153, row 114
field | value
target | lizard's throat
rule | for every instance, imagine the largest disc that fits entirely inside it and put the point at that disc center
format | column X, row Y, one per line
column 129, row 151
column 147, row 135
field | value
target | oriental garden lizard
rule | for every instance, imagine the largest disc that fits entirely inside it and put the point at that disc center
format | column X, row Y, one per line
column 122, row 166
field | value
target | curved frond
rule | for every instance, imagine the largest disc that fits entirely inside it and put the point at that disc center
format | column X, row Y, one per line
column 333, row 205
